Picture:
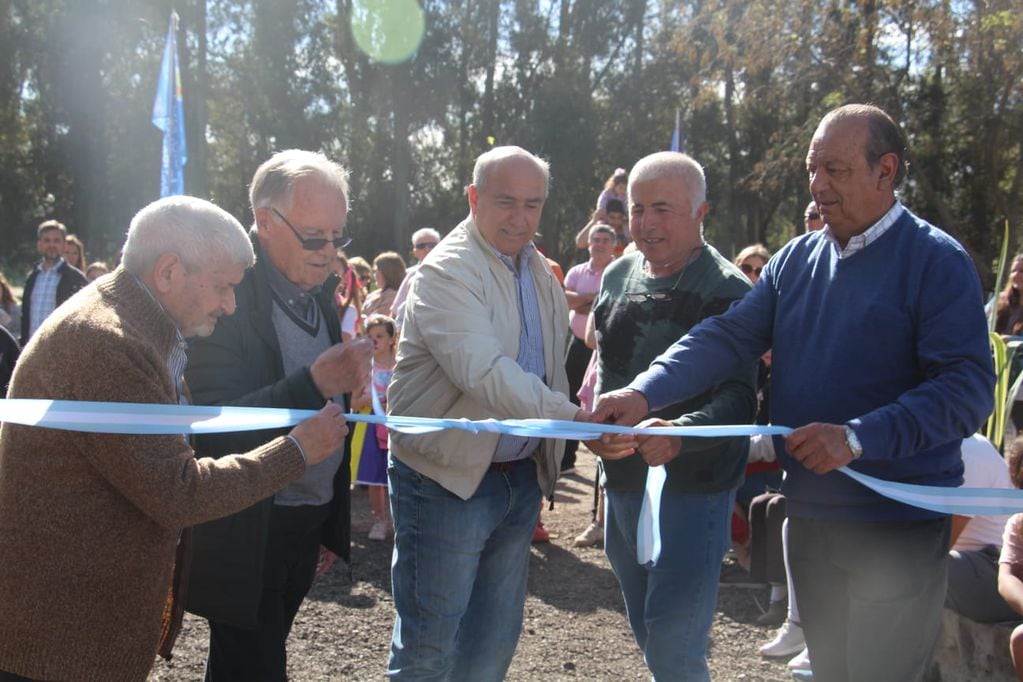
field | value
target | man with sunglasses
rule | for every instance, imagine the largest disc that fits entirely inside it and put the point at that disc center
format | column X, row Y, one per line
column 647, row 300
column 423, row 241
column 282, row 348
column 812, row 220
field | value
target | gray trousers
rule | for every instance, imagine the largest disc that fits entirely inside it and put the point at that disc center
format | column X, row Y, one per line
column 973, row 586
column 871, row 595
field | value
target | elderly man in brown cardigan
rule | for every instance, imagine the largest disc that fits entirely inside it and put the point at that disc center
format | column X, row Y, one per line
column 90, row 522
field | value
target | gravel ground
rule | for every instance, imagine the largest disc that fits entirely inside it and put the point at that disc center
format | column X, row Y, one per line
column 575, row 626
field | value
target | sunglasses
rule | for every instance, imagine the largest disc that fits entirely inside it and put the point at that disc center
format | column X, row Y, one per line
column 424, row 245
column 748, row 269
column 314, row 243
column 812, row 216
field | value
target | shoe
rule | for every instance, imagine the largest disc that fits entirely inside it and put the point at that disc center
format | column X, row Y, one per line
column 801, row 661
column 802, row 675
column 775, row 614
column 591, row 537
column 540, row 533
column 378, row 531
column 734, row 575
column 788, row 640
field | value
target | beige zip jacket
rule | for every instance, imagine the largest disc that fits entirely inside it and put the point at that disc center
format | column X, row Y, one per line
column 457, row 359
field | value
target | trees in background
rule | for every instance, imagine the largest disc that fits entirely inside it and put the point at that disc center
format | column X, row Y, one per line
column 590, row 85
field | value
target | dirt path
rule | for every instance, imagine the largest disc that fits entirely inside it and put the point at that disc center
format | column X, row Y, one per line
column 575, row 626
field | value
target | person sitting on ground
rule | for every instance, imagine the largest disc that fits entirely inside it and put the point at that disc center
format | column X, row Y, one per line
column 388, row 271
column 1010, row 562
column 977, row 540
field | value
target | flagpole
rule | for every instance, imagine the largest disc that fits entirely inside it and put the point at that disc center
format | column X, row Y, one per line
column 169, row 116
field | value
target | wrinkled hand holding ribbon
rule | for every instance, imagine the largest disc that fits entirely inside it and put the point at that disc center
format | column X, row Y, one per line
column 137, row 418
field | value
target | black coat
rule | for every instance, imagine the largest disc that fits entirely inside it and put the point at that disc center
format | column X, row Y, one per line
column 71, row 280
column 241, row 364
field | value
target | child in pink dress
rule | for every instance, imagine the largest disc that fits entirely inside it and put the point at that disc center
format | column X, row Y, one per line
column 373, row 461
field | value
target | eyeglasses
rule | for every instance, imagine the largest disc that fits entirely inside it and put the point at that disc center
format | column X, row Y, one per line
column 748, row 269
column 812, row 216
column 314, row 243
column 424, row 245
column 655, row 296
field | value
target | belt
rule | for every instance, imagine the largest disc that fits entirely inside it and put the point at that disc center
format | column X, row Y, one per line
column 505, row 467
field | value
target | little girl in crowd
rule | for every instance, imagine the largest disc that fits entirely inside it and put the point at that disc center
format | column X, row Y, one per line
column 372, row 467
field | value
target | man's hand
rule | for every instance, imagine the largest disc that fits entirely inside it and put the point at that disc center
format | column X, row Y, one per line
column 624, row 407
column 343, row 368
column 326, row 560
column 657, row 450
column 611, row 446
column 819, row 447
column 321, row 434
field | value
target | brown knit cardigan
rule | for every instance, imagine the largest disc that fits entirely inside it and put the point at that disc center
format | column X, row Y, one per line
column 89, row 522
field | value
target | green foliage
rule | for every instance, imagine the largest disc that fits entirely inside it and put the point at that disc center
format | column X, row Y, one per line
column 589, row 85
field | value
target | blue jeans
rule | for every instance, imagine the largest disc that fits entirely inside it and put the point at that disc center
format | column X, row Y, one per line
column 671, row 604
column 458, row 574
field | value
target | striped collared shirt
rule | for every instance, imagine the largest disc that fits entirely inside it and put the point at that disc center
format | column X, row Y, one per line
column 530, row 357
column 860, row 241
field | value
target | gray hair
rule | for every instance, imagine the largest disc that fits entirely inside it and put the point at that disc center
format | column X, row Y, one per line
column 602, row 227
column 201, row 233
column 488, row 159
column 425, row 233
column 275, row 179
column 672, row 165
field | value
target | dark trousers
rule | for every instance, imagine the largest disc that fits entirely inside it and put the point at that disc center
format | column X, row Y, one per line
column 767, row 556
column 292, row 550
column 870, row 595
column 575, row 367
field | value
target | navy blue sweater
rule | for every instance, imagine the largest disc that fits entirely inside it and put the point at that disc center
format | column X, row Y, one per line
column 891, row 340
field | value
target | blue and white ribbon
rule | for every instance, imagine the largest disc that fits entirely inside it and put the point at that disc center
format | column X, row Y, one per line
column 138, row 418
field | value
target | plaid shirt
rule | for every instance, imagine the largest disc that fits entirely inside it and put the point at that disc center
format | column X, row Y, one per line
column 44, row 296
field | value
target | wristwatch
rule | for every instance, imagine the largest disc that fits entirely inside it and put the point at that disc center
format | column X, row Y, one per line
column 853, row 442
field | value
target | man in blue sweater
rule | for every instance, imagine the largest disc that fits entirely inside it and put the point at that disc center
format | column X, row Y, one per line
column 880, row 362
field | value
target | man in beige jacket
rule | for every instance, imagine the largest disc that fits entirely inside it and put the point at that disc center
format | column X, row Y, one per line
column 484, row 336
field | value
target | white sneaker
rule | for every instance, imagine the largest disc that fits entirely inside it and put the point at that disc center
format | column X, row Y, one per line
column 591, row 537
column 378, row 531
column 801, row 661
column 788, row 640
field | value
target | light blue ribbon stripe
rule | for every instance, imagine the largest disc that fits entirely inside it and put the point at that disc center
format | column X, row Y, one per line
column 141, row 419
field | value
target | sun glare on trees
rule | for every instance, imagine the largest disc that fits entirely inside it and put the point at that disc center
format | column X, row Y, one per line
column 388, row 31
